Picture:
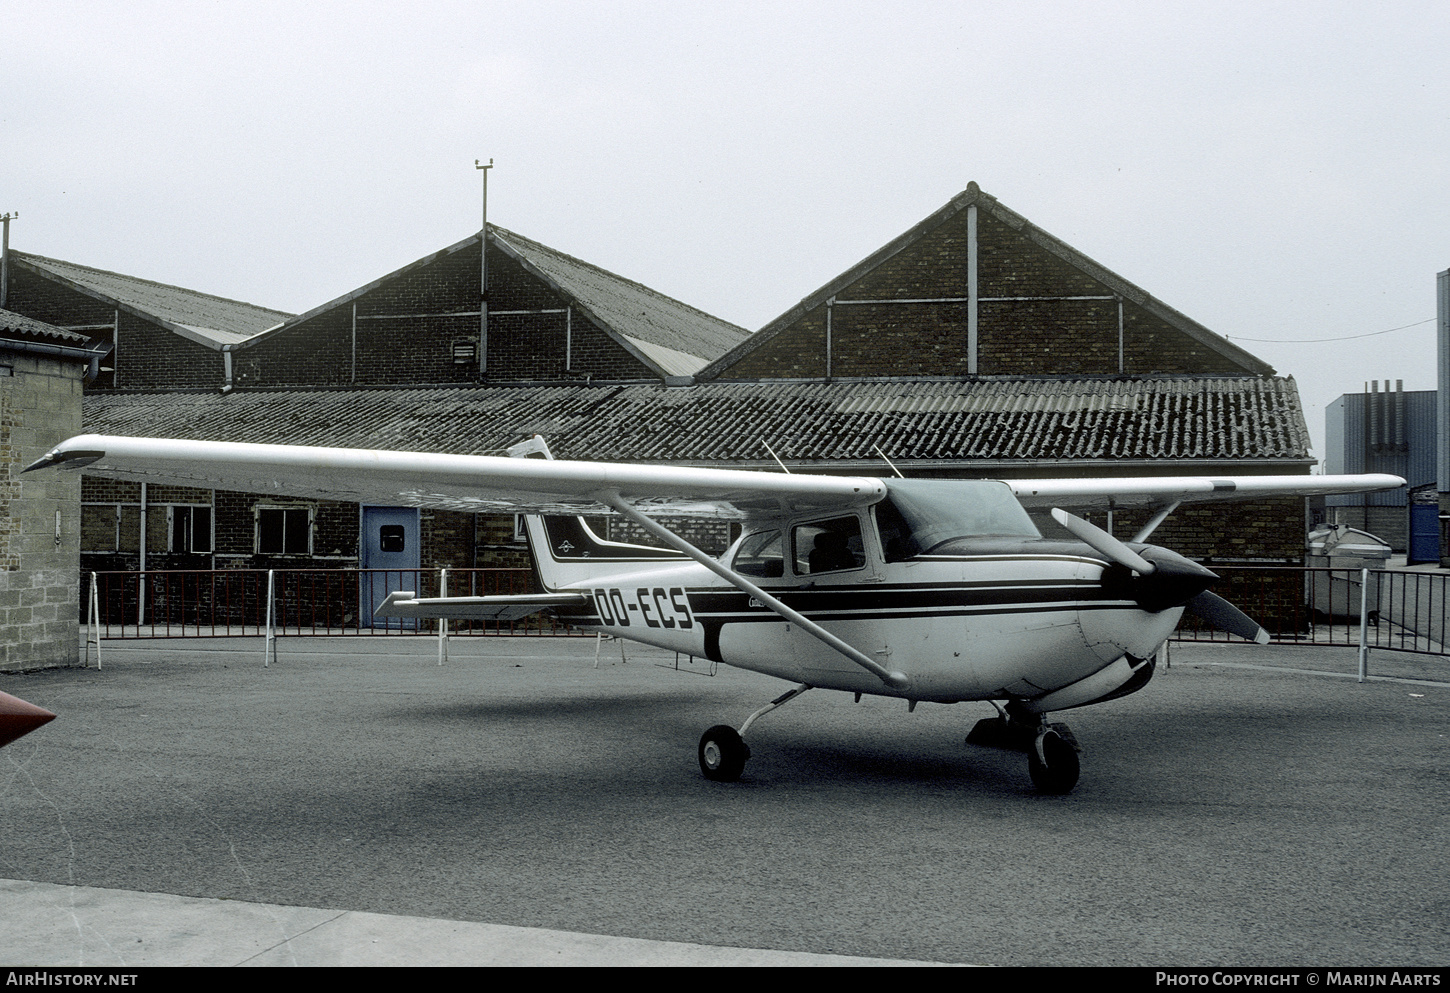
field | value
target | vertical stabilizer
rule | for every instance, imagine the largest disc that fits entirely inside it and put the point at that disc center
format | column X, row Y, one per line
column 566, row 551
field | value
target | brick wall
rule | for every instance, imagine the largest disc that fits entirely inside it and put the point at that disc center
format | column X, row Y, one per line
column 407, row 326
column 40, row 405
column 1015, row 337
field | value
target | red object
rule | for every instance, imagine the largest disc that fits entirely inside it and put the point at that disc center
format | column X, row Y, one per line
column 18, row 717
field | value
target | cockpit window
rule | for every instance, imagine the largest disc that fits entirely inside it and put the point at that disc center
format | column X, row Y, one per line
column 761, row 555
column 828, row 546
column 920, row 514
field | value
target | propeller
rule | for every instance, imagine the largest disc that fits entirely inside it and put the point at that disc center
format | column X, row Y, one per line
column 1163, row 579
column 1100, row 540
column 1226, row 617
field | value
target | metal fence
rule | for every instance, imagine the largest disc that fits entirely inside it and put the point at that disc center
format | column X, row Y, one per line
column 223, row 603
column 1392, row 610
column 1384, row 609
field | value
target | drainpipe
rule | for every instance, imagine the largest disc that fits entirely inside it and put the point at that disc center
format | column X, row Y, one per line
column 141, row 577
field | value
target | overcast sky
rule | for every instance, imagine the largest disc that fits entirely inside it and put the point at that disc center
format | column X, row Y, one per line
column 1274, row 171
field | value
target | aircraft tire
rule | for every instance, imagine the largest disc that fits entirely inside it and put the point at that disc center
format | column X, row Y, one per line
column 1053, row 764
column 722, row 754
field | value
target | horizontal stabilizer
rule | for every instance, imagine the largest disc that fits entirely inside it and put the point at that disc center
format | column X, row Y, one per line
column 405, row 603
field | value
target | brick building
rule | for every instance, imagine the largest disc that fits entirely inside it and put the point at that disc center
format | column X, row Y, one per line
column 975, row 344
column 162, row 337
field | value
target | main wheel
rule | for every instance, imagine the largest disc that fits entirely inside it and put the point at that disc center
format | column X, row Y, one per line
column 722, row 754
column 1052, row 764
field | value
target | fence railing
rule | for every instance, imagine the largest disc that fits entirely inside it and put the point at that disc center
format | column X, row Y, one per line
column 1387, row 609
column 1404, row 611
column 174, row 603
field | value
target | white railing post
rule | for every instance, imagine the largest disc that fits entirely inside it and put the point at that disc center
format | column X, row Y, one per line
column 1363, row 625
column 93, row 624
column 442, row 621
column 269, row 645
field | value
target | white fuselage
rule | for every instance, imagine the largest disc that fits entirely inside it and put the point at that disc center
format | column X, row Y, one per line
column 961, row 627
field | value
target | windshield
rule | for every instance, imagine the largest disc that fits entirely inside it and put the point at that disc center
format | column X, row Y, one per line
column 919, row 514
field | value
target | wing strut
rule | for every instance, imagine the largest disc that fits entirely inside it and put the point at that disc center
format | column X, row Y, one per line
column 1157, row 519
column 896, row 680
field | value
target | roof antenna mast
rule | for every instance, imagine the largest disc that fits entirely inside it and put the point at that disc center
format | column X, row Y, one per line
column 5, row 220
column 483, row 274
column 775, row 456
column 887, row 461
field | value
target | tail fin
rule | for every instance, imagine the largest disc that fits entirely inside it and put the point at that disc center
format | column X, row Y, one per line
column 566, row 550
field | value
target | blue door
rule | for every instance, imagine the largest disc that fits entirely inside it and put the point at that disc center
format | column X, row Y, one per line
column 1424, row 532
column 388, row 554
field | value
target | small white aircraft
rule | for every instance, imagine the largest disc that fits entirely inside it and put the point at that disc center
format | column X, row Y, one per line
column 927, row 590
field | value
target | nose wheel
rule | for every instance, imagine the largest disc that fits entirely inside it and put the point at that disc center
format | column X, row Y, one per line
column 1052, row 763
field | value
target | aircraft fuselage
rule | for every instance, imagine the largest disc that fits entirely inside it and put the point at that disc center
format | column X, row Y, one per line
column 1012, row 622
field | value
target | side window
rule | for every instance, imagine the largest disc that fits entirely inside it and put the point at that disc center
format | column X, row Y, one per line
column 828, row 546
column 391, row 538
column 190, row 529
column 284, row 530
column 761, row 555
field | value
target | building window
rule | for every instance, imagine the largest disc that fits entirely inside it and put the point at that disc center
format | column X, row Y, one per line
column 190, row 529
column 284, row 530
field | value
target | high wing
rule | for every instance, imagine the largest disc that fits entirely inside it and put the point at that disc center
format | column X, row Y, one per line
column 1150, row 491
column 484, row 483
column 469, row 483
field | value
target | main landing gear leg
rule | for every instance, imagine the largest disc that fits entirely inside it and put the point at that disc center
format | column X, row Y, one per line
column 1052, row 750
column 723, row 751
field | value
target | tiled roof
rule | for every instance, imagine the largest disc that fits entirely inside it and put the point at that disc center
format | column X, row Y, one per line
column 206, row 319
column 19, row 327
column 945, row 423
column 675, row 336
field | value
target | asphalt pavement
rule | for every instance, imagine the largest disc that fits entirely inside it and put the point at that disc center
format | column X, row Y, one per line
column 357, row 803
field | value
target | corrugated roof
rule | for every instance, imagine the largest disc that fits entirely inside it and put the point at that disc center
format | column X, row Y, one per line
column 201, row 317
column 677, row 337
column 945, row 422
column 20, row 327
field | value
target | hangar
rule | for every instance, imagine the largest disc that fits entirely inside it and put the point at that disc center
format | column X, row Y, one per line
column 974, row 344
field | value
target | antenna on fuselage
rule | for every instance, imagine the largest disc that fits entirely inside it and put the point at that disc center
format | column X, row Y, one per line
column 899, row 473
column 775, row 456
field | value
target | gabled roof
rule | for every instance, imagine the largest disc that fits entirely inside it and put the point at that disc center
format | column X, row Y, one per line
column 200, row 317
column 968, row 427
column 973, row 196
column 670, row 337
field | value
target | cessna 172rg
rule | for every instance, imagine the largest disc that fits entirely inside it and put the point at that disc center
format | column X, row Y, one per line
column 927, row 590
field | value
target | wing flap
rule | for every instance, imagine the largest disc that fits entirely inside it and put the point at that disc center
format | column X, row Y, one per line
column 1149, row 491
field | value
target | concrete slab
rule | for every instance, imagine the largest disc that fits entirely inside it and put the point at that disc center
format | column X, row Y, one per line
column 1235, row 812
column 81, row 926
